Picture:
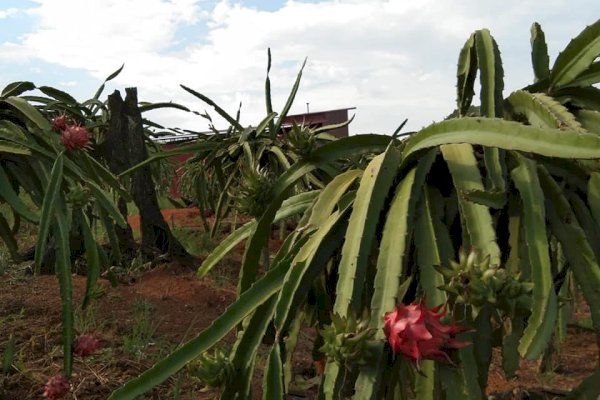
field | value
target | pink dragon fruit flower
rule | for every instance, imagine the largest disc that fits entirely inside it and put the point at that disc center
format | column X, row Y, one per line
column 85, row 345
column 61, row 122
column 75, row 137
column 57, row 387
column 417, row 333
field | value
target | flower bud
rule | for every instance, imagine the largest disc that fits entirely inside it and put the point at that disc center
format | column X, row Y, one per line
column 57, row 387
column 346, row 339
column 75, row 137
column 213, row 371
column 60, row 123
column 85, row 345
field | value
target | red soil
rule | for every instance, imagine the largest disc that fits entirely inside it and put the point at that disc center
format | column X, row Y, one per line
column 174, row 217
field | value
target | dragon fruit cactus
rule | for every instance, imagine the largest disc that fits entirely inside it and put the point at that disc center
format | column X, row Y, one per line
column 85, row 345
column 57, row 387
column 75, row 137
column 418, row 333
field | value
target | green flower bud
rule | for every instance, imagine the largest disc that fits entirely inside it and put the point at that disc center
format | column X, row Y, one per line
column 346, row 339
column 78, row 196
column 213, row 371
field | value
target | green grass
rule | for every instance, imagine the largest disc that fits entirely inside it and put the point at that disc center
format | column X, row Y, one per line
column 142, row 330
column 195, row 240
column 9, row 354
column 86, row 320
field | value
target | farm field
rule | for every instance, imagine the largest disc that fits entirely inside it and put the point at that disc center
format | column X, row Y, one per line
column 136, row 324
column 460, row 261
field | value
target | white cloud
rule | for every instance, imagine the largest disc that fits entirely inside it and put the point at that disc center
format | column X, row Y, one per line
column 97, row 35
column 9, row 12
column 391, row 59
column 15, row 53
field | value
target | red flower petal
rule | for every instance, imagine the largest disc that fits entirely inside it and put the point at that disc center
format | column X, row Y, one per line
column 418, row 333
column 456, row 344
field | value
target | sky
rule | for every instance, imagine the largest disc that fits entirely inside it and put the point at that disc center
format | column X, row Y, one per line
column 391, row 60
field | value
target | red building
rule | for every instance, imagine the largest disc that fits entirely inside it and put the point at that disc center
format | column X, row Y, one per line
column 178, row 160
column 322, row 118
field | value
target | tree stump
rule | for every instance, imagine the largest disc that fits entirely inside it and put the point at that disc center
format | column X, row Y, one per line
column 126, row 147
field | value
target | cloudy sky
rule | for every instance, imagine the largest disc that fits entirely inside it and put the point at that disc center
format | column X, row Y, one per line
column 391, row 59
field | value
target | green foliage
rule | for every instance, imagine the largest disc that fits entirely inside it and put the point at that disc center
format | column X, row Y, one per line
column 69, row 190
column 292, row 206
column 576, row 58
column 512, row 194
column 9, row 354
column 236, row 167
column 539, row 53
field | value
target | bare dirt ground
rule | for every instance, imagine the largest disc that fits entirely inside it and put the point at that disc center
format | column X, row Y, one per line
column 139, row 322
column 175, row 217
column 179, row 307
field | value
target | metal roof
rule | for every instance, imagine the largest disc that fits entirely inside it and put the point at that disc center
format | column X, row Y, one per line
column 187, row 137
